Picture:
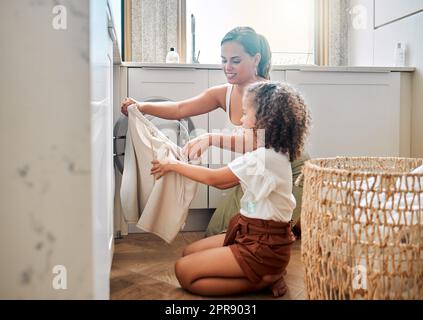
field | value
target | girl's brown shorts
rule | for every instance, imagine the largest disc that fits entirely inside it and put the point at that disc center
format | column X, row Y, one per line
column 261, row 247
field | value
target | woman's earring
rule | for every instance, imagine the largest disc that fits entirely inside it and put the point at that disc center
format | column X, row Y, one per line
column 256, row 72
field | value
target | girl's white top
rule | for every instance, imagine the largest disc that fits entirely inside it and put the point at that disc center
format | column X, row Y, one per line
column 266, row 179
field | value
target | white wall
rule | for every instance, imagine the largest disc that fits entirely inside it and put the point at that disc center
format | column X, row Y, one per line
column 45, row 178
column 387, row 11
column 371, row 46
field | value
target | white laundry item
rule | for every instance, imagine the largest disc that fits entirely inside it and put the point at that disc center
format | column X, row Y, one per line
column 382, row 209
column 160, row 207
column 407, row 183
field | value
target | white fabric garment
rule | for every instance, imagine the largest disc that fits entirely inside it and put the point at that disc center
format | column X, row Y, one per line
column 160, row 207
column 408, row 203
column 266, row 179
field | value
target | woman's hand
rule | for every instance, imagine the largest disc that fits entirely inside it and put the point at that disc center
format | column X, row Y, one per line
column 196, row 147
column 126, row 103
column 160, row 168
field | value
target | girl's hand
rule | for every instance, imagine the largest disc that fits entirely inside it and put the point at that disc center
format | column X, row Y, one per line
column 126, row 103
column 196, row 147
column 160, row 168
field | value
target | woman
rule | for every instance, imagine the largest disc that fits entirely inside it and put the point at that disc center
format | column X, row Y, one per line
column 246, row 59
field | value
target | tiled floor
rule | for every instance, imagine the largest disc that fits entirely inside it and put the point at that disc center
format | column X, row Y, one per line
column 143, row 269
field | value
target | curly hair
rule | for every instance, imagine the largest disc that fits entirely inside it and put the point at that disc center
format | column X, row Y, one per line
column 282, row 113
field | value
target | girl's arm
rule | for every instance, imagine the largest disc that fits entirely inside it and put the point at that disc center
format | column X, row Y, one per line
column 203, row 103
column 227, row 186
column 222, row 177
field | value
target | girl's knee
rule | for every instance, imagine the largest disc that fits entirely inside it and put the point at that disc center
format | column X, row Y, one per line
column 191, row 248
column 182, row 273
column 187, row 251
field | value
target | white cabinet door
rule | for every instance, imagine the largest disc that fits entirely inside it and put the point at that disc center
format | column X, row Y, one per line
column 278, row 75
column 168, row 84
column 174, row 85
column 354, row 114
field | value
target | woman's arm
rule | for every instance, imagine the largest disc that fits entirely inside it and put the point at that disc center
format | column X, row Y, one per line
column 203, row 103
column 213, row 177
column 244, row 143
column 236, row 143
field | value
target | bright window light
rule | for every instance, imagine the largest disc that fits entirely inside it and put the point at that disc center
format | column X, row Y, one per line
column 288, row 26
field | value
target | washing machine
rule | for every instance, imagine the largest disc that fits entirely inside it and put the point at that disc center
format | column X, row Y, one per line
column 149, row 84
column 176, row 131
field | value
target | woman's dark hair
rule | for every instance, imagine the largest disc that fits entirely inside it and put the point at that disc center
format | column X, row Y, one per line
column 283, row 114
column 253, row 43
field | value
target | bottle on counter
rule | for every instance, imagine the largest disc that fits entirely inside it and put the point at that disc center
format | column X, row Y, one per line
column 172, row 56
column 400, row 54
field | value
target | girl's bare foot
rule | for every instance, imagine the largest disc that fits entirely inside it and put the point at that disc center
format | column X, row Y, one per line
column 279, row 287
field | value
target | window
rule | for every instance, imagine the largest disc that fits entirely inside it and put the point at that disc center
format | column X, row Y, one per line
column 154, row 26
column 288, row 26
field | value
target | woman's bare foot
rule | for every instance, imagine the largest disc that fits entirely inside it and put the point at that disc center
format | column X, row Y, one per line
column 279, row 287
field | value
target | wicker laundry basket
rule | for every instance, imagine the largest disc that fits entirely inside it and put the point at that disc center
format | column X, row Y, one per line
column 362, row 228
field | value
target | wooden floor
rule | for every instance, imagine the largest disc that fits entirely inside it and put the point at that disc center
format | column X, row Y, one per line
column 143, row 269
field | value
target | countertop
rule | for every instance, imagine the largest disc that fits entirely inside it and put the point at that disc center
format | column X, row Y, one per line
column 308, row 68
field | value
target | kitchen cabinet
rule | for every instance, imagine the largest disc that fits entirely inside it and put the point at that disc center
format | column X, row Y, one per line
column 356, row 113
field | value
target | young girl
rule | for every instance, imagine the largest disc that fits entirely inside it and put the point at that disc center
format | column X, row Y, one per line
column 255, row 251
